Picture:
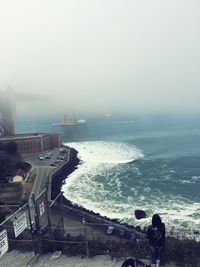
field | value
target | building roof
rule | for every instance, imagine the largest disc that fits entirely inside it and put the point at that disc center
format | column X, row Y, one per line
column 24, row 136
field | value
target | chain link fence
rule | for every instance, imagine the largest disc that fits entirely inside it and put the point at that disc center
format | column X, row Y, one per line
column 40, row 226
column 15, row 231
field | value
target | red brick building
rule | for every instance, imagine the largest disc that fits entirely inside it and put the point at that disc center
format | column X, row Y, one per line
column 34, row 142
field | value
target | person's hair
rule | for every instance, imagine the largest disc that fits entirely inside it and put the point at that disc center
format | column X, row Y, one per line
column 128, row 262
column 132, row 262
column 156, row 220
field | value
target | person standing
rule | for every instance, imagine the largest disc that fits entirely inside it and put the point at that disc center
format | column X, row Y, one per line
column 156, row 236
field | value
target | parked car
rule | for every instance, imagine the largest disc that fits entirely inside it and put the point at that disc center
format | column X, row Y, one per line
column 41, row 157
column 62, row 150
column 48, row 155
column 61, row 157
column 110, row 230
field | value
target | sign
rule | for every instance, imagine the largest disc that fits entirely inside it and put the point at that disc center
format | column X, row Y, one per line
column 20, row 224
column 3, row 242
column 41, row 208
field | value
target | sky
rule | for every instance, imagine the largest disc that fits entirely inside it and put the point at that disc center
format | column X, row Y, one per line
column 102, row 55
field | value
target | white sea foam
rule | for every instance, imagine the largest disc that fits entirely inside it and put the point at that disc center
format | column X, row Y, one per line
column 98, row 156
column 185, row 181
column 106, row 152
column 196, row 178
column 86, row 186
column 99, row 159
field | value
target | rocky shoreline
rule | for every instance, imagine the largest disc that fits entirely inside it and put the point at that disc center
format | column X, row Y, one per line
column 183, row 251
column 59, row 179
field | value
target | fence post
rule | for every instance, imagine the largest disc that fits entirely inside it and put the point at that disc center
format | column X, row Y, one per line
column 31, row 228
column 48, row 212
column 37, row 223
column 86, row 242
column 62, row 214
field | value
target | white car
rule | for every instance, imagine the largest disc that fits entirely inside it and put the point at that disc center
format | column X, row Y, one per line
column 41, row 157
column 110, row 230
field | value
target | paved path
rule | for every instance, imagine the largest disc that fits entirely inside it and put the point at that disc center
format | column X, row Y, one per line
column 43, row 169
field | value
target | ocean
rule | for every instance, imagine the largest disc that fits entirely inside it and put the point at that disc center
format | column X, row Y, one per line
column 148, row 162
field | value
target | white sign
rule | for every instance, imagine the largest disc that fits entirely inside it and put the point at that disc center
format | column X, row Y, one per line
column 3, row 242
column 41, row 208
column 20, row 224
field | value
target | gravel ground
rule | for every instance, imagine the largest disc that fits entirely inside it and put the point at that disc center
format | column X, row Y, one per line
column 16, row 259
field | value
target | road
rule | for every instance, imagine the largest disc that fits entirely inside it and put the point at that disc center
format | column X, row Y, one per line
column 41, row 179
column 43, row 169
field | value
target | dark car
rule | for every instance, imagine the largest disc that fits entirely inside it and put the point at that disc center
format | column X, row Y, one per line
column 61, row 157
column 48, row 155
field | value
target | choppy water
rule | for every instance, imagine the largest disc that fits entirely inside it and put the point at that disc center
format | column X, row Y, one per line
column 129, row 163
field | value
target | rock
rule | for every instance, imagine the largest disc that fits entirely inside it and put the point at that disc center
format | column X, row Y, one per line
column 140, row 214
column 56, row 255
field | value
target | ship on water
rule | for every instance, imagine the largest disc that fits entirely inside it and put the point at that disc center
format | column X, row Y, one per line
column 70, row 121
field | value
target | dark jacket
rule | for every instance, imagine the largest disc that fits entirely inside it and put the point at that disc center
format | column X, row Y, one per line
column 156, row 235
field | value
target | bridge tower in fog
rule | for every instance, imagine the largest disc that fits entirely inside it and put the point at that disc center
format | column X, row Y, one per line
column 7, row 112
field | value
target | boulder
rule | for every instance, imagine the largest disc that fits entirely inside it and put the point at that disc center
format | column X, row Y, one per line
column 56, row 255
column 140, row 214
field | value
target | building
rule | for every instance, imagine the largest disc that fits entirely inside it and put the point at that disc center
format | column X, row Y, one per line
column 30, row 143
column 7, row 112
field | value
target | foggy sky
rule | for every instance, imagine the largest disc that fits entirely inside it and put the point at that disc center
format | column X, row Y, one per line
column 110, row 55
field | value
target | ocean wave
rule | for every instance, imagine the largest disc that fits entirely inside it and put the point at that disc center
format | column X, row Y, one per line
column 98, row 185
column 106, row 152
column 195, row 178
column 112, row 203
column 99, row 159
column 98, row 156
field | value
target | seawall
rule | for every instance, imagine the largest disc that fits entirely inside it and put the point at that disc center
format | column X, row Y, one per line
column 59, row 175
